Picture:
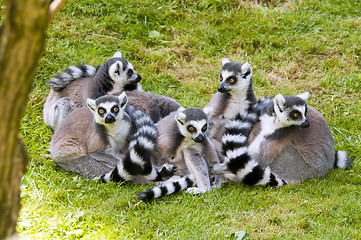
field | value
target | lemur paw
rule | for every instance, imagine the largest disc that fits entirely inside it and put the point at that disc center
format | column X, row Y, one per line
column 168, row 170
column 195, row 190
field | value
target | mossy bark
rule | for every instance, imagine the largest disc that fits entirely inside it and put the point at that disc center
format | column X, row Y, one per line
column 21, row 44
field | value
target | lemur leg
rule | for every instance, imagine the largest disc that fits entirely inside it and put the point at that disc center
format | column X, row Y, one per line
column 198, row 169
column 55, row 112
column 217, row 145
column 91, row 165
column 212, row 159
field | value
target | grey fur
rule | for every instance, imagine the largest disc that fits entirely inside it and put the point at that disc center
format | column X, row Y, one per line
column 154, row 106
column 299, row 153
column 76, row 146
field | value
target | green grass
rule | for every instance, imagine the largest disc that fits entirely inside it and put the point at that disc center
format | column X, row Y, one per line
column 293, row 46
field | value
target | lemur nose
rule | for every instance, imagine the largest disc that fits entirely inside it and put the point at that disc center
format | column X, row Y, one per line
column 305, row 124
column 220, row 89
column 109, row 118
column 199, row 138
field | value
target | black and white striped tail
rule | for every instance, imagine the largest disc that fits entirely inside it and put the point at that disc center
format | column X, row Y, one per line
column 242, row 166
column 342, row 160
column 72, row 73
column 167, row 188
column 138, row 158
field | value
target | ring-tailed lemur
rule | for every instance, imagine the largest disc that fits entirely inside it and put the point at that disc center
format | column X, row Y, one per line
column 183, row 142
column 70, row 89
column 291, row 138
column 93, row 141
column 235, row 96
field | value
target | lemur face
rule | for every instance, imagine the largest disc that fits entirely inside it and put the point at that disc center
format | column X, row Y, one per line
column 108, row 109
column 234, row 76
column 193, row 124
column 291, row 110
column 121, row 71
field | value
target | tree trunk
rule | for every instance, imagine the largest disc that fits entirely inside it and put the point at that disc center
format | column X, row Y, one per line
column 21, row 45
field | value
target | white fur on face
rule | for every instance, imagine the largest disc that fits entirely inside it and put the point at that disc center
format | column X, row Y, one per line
column 107, row 106
column 198, row 125
column 283, row 119
column 242, row 83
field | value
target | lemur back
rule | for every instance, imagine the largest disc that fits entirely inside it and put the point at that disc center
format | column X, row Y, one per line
column 93, row 141
column 183, row 142
column 235, row 96
column 154, row 106
column 70, row 89
column 294, row 146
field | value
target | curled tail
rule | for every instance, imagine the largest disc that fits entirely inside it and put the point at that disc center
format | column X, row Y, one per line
column 138, row 158
column 240, row 164
column 167, row 188
column 342, row 160
column 72, row 73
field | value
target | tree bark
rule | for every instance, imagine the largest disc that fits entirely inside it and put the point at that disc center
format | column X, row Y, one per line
column 21, row 45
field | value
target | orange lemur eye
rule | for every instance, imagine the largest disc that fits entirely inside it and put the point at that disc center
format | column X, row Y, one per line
column 221, row 79
column 231, row 80
column 116, row 109
column 295, row 115
column 191, row 128
column 101, row 111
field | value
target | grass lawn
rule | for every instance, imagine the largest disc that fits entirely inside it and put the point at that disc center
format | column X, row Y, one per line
column 177, row 46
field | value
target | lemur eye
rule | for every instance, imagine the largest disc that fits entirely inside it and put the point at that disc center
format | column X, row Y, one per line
column 191, row 128
column 101, row 111
column 295, row 114
column 130, row 72
column 115, row 109
column 204, row 128
column 220, row 78
column 231, row 80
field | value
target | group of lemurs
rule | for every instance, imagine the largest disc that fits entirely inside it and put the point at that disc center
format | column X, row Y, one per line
column 106, row 127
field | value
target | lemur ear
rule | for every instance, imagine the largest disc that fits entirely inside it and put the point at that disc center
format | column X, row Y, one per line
column 246, row 69
column 123, row 100
column 208, row 111
column 279, row 102
column 117, row 55
column 181, row 117
column 304, row 96
column 91, row 104
column 225, row 60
